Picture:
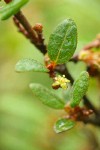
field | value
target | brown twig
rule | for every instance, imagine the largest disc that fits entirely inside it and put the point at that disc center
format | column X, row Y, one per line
column 93, row 44
column 88, row 104
column 23, row 21
column 31, row 32
column 20, row 28
column 94, row 120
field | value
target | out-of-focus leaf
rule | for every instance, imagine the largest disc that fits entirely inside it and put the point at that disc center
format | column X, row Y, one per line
column 12, row 8
column 80, row 88
column 46, row 96
column 63, row 41
column 27, row 64
column 63, row 125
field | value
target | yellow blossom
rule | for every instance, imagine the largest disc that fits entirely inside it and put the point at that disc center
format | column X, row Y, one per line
column 84, row 55
column 61, row 81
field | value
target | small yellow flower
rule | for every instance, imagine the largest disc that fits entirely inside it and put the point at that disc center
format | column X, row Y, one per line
column 61, row 82
column 84, row 55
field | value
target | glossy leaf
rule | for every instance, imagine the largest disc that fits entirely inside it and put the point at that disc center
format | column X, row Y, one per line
column 12, row 8
column 63, row 41
column 63, row 125
column 30, row 65
column 80, row 88
column 46, row 96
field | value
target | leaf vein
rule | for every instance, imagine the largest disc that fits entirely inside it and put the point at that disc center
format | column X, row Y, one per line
column 61, row 46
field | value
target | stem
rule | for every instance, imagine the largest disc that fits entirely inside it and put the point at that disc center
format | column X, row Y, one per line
column 89, row 105
column 32, row 34
column 62, row 69
column 22, row 19
column 95, row 121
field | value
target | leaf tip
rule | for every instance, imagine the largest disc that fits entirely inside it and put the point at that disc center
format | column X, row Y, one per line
column 63, row 125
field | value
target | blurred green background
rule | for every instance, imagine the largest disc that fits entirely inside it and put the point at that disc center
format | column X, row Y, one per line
column 25, row 123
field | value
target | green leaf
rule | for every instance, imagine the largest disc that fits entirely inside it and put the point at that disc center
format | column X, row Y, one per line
column 63, row 41
column 12, row 8
column 46, row 96
column 27, row 64
column 63, row 125
column 80, row 88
